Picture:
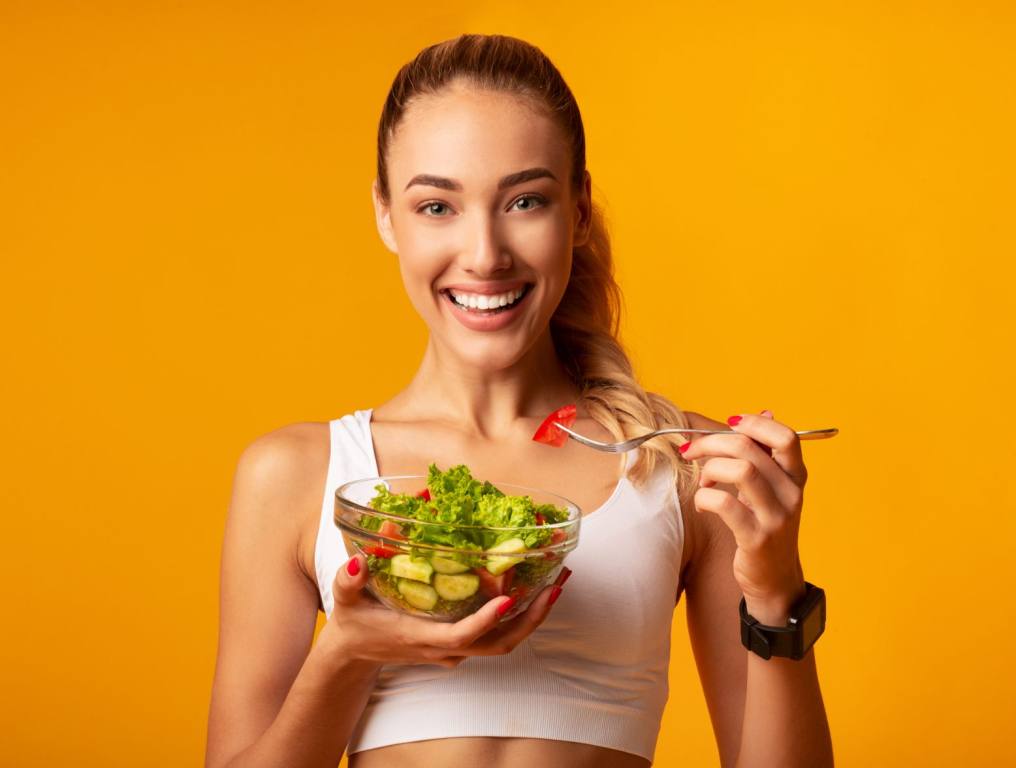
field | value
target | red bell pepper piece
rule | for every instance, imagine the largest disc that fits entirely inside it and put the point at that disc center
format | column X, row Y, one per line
column 424, row 494
column 380, row 550
column 548, row 433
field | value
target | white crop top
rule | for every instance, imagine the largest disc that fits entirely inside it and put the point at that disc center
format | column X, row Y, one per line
column 594, row 672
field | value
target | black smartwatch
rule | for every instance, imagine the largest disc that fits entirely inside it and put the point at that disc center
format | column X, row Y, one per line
column 805, row 625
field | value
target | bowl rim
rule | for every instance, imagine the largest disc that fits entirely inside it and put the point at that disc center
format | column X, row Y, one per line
column 571, row 521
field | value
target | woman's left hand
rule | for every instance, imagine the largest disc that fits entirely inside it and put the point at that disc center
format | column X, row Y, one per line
column 765, row 515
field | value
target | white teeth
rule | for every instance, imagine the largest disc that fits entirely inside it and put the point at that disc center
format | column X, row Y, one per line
column 486, row 301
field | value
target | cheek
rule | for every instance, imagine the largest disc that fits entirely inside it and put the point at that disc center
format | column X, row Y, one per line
column 551, row 257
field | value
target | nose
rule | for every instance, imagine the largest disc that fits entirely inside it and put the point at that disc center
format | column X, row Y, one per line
column 484, row 253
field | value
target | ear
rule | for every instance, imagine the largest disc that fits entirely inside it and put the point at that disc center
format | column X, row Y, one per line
column 383, row 218
column 583, row 212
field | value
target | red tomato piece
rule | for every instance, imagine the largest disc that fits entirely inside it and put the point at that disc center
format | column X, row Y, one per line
column 548, row 433
column 424, row 494
column 556, row 537
column 539, row 519
column 391, row 530
column 495, row 586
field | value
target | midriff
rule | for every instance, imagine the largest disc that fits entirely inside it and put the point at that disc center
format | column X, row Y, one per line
column 494, row 752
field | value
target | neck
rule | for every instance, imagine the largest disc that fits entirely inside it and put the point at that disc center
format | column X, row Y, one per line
column 488, row 403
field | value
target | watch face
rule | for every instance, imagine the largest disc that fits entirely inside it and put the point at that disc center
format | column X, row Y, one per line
column 811, row 627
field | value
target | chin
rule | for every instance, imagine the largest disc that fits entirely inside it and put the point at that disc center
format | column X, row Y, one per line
column 490, row 354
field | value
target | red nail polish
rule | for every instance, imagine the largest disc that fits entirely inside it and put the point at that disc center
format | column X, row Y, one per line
column 505, row 606
column 353, row 567
column 563, row 576
column 554, row 593
column 734, row 421
column 684, row 448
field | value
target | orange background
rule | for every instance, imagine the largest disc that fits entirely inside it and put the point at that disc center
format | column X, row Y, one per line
column 812, row 209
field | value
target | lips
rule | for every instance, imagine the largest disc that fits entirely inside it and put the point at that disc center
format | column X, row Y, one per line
column 477, row 319
column 481, row 302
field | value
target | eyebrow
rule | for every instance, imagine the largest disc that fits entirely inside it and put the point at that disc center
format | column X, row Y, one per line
column 508, row 181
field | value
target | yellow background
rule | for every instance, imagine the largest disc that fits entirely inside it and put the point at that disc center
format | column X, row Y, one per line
column 812, row 208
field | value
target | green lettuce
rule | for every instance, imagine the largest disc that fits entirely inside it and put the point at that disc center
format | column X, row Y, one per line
column 457, row 498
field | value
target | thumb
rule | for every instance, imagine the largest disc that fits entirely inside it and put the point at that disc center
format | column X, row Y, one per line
column 349, row 581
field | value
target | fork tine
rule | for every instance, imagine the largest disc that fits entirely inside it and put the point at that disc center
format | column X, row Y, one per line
column 608, row 447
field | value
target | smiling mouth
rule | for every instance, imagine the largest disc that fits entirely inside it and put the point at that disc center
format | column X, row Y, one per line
column 465, row 302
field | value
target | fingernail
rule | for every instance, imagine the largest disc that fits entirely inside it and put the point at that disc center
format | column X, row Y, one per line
column 767, row 413
column 554, row 595
column 353, row 567
column 684, row 448
column 505, row 606
column 734, row 421
column 563, row 576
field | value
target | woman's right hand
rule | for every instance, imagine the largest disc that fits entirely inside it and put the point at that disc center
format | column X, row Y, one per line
column 363, row 629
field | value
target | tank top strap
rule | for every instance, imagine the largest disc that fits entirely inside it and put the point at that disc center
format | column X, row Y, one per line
column 351, row 457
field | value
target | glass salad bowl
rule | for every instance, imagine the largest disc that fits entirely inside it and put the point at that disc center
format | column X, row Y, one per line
column 442, row 545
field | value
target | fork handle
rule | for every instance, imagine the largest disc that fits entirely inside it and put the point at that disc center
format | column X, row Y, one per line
column 807, row 434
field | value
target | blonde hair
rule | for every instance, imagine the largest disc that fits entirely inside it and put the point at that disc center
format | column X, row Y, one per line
column 585, row 326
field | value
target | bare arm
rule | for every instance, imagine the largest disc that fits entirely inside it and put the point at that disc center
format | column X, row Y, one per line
column 764, row 713
column 273, row 703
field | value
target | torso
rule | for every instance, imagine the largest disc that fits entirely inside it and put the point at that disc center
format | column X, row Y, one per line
column 586, row 477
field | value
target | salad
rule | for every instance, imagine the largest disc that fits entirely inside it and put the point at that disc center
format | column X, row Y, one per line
column 412, row 567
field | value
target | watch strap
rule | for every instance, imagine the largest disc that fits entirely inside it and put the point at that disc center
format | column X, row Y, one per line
column 789, row 641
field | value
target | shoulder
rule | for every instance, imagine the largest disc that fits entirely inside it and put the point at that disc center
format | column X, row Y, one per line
column 703, row 531
column 294, row 449
column 698, row 421
column 279, row 482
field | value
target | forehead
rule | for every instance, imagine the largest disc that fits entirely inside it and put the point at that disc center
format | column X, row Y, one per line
column 476, row 137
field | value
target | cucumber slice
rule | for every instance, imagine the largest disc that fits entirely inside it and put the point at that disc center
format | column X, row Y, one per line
column 408, row 568
column 444, row 565
column 418, row 595
column 497, row 563
column 456, row 586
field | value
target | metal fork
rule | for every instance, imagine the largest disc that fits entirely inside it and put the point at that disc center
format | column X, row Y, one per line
column 635, row 442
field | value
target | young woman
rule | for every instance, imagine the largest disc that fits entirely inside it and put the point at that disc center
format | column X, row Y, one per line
column 483, row 193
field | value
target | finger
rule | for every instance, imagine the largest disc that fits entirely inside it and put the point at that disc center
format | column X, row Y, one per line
column 752, row 485
column 562, row 577
column 462, row 633
column 783, row 440
column 507, row 635
column 350, row 578
column 741, row 446
column 737, row 517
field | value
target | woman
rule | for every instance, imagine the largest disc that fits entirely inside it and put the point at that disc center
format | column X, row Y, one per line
column 483, row 194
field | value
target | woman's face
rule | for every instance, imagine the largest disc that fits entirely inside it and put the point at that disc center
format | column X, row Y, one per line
column 483, row 219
